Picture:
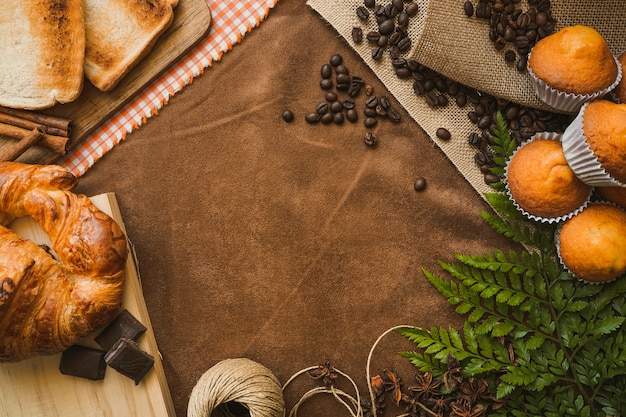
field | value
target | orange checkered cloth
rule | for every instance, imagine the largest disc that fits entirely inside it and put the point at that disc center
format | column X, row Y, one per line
column 231, row 20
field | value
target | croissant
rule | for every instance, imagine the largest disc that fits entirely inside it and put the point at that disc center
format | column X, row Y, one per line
column 51, row 299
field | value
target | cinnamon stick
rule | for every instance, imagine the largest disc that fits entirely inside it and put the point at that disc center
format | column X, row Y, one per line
column 55, row 143
column 29, row 124
column 30, row 139
column 39, row 118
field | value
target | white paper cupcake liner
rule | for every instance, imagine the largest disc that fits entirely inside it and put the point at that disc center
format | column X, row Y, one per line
column 568, row 102
column 557, row 243
column 581, row 158
column 549, row 220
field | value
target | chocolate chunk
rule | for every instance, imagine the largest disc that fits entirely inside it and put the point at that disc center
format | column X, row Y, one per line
column 124, row 325
column 83, row 362
column 128, row 359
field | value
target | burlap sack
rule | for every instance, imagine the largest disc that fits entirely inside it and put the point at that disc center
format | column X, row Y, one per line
column 444, row 39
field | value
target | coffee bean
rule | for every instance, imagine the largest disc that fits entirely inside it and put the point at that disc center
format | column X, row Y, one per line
column 377, row 53
column 369, row 112
column 336, row 59
column 326, row 84
column 386, row 27
column 411, row 9
column 338, row 118
column 484, row 122
column 321, row 108
column 343, row 87
column 443, row 133
column 336, row 107
column 474, row 139
column 326, row 71
column 312, row 117
column 491, row 178
column 357, row 35
column 393, row 115
column 404, row 44
column 348, row 103
column 371, row 102
column 403, row 19
column 510, row 56
column 288, row 116
column 370, row 139
column 327, row 118
column 355, row 89
column 468, row 8
column 369, row 3
column 331, row 96
column 419, row 184
column 370, row 122
column 384, row 102
column 461, row 100
column 352, row 115
column 362, row 13
column 373, row 36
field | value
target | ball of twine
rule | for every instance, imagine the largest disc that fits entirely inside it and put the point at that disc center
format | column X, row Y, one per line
column 234, row 382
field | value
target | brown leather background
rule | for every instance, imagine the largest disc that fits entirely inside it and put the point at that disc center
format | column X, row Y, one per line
column 286, row 243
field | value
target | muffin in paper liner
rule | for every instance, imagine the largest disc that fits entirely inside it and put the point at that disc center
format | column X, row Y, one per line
column 557, row 242
column 549, row 136
column 619, row 92
column 581, row 158
column 564, row 101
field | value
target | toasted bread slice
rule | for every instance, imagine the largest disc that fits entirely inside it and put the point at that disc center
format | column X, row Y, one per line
column 42, row 51
column 119, row 33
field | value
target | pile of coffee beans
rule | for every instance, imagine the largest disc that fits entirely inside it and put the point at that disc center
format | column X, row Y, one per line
column 392, row 22
column 341, row 100
column 511, row 25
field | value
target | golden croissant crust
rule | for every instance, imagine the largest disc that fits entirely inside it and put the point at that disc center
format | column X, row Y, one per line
column 48, row 301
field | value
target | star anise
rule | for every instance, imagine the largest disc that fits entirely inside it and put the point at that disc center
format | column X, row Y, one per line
column 393, row 384
column 426, row 386
column 326, row 373
column 440, row 405
column 464, row 408
column 474, row 389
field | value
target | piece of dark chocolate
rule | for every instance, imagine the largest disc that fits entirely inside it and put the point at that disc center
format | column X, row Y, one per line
column 128, row 359
column 83, row 362
column 124, row 325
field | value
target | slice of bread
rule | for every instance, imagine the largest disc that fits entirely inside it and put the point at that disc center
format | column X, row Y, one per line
column 119, row 33
column 42, row 51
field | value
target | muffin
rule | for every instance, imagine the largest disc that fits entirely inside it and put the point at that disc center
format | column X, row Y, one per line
column 620, row 90
column 571, row 67
column 616, row 195
column 541, row 183
column 595, row 143
column 592, row 244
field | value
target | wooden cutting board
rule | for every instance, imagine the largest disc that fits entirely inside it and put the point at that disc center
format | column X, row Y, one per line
column 192, row 22
column 36, row 388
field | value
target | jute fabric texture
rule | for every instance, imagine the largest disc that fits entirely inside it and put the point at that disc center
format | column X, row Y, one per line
column 447, row 41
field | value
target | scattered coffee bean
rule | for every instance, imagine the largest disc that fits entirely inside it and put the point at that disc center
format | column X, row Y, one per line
column 352, row 115
column 336, row 60
column 411, row 9
column 338, row 118
column 468, row 8
column 370, row 139
column 321, row 108
column 370, row 122
column 326, row 71
column 362, row 13
column 288, row 116
column 331, row 96
column 443, row 133
column 336, row 107
column 357, row 35
column 419, row 184
column 326, row 84
column 327, row 118
column 312, row 118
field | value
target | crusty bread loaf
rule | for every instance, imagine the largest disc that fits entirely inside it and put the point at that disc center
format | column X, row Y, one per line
column 42, row 52
column 119, row 33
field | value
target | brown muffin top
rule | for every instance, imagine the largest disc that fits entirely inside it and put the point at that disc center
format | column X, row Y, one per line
column 542, row 183
column 575, row 59
column 592, row 244
column 604, row 126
